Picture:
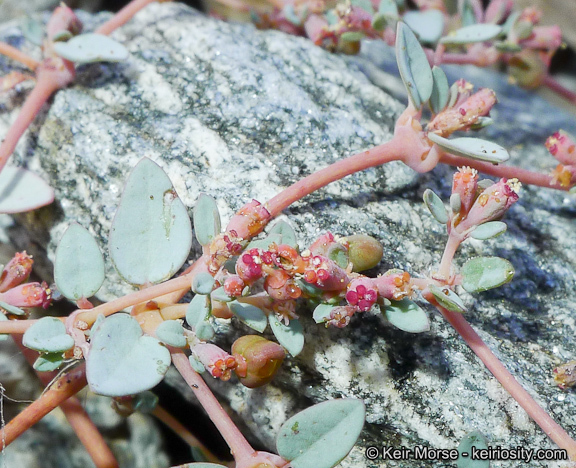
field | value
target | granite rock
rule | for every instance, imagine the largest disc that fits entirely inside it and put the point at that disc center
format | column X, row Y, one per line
column 240, row 114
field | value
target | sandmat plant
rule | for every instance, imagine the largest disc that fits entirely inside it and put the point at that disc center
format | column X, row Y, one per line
column 256, row 278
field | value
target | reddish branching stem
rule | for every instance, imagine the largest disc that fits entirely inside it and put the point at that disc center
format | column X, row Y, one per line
column 18, row 56
column 123, row 16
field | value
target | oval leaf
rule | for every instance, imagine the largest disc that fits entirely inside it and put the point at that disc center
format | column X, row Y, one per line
column 171, row 332
column 322, row 435
column 428, row 25
column 78, row 266
column 203, row 283
column 21, row 190
column 122, row 361
column 249, row 315
column 48, row 335
column 407, row 316
column 474, row 148
column 483, row 273
column 220, row 295
column 413, row 65
column 447, row 298
column 197, row 315
column 440, row 90
column 489, row 230
column 436, row 206
column 151, row 219
column 290, row 336
column 474, row 439
column 11, row 309
column 48, row 362
column 473, row 33
column 206, row 219
column 91, row 47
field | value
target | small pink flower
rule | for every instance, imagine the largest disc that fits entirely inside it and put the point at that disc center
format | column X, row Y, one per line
column 394, row 285
column 233, row 286
column 16, row 271
column 216, row 361
column 465, row 184
column 562, row 147
column 316, row 27
column 362, row 294
column 28, row 295
column 249, row 266
column 463, row 115
column 491, row 204
column 564, row 175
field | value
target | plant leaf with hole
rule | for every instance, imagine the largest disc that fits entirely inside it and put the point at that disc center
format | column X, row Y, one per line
column 440, row 90
column 171, row 332
column 249, row 315
column 436, row 206
column 322, row 313
column 473, row 33
column 79, row 265
column 290, row 336
column 22, row 190
column 428, row 25
column 483, row 273
column 413, row 65
column 91, row 47
column 203, row 283
column 447, row 298
column 122, row 360
column 489, row 230
column 206, row 219
column 321, row 436
column 151, row 234
column 474, row 439
column 48, row 335
column 48, row 362
column 407, row 316
column 474, row 148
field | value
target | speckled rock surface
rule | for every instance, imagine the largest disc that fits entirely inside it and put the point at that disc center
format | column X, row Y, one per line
column 240, row 114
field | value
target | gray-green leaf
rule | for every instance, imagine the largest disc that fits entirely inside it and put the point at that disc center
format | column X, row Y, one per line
column 206, row 219
column 407, row 316
column 474, row 148
column 440, row 90
column 249, row 315
column 474, row 439
column 91, row 47
column 290, row 336
column 473, row 33
column 436, row 206
column 483, row 273
column 428, row 25
column 413, row 65
column 489, row 230
column 48, row 335
column 447, row 298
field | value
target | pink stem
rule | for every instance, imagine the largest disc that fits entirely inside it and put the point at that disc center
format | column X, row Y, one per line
column 552, row 84
column 448, row 255
column 15, row 54
column 34, row 102
column 535, row 411
column 390, row 151
column 523, row 175
column 239, row 446
column 123, row 16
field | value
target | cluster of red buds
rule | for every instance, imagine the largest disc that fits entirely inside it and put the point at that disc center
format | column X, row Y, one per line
column 473, row 204
column 13, row 290
column 563, row 148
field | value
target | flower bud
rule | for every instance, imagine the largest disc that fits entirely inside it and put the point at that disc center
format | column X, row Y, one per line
column 465, row 183
column 16, row 271
column 340, row 316
column 216, row 361
column 364, row 252
column 394, row 285
column 547, row 38
column 233, row 286
column 491, row 204
column 324, row 273
column 562, row 147
column 28, row 295
column 249, row 266
column 564, row 175
column 262, row 359
column 249, row 220
column 463, row 115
